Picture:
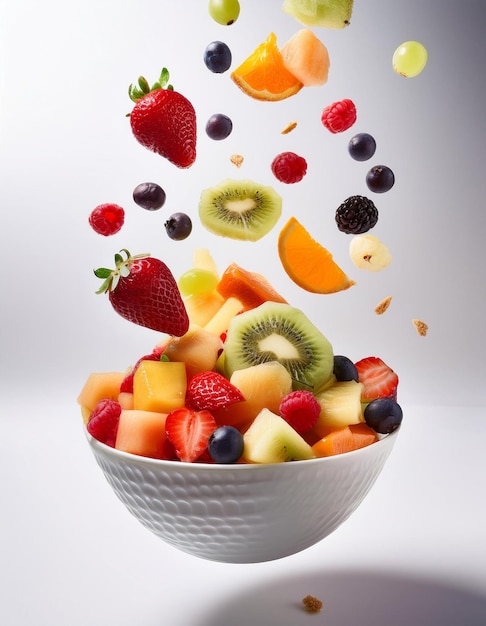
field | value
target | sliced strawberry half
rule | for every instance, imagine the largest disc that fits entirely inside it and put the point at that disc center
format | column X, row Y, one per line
column 211, row 391
column 379, row 380
column 189, row 431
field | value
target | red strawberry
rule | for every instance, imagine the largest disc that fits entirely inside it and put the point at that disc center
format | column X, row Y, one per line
column 144, row 291
column 164, row 121
column 103, row 421
column 189, row 431
column 210, row 390
column 379, row 380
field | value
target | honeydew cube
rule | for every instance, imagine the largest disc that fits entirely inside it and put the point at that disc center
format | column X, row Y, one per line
column 142, row 433
column 159, row 386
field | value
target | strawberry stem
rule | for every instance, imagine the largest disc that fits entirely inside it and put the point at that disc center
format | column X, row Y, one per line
column 142, row 87
column 123, row 262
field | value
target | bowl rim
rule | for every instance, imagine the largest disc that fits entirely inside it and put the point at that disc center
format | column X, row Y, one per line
column 120, row 455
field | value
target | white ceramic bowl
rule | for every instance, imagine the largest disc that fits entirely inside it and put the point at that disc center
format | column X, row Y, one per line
column 243, row 513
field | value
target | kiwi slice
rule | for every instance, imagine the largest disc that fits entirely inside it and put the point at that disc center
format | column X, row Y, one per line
column 280, row 332
column 240, row 209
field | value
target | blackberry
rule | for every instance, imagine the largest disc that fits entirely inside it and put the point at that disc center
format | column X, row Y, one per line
column 356, row 215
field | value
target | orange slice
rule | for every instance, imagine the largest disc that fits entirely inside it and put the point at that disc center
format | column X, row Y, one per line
column 263, row 74
column 308, row 263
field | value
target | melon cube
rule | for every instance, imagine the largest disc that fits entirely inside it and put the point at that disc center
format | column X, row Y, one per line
column 159, row 386
column 99, row 386
column 142, row 433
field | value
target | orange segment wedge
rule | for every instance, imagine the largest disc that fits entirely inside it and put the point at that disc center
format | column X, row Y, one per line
column 309, row 264
column 263, row 75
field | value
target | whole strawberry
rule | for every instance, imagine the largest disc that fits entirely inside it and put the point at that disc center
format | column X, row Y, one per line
column 144, row 291
column 163, row 120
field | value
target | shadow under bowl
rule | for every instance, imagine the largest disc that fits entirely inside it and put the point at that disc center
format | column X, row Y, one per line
column 243, row 513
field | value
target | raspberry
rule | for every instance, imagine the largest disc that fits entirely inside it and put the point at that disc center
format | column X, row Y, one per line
column 107, row 219
column 289, row 167
column 339, row 116
column 356, row 215
column 103, row 421
column 300, row 409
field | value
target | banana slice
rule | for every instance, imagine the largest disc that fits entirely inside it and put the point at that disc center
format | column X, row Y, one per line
column 367, row 252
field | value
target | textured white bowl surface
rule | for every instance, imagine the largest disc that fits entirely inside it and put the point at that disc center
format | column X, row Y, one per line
column 243, row 513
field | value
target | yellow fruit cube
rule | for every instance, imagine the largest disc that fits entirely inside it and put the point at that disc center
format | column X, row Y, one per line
column 159, row 386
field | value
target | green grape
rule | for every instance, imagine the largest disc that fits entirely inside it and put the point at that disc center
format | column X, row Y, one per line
column 196, row 281
column 224, row 12
column 409, row 59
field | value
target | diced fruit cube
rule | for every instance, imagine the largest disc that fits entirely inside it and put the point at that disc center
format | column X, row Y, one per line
column 219, row 323
column 340, row 407
column 346, row 439
column 142, row 433
column 159, row 386
column 306, row 57
column 250, row 288
column 99, row 386
column 198, row 349
column 202, row 307
column 270, row 439
column 263, row 386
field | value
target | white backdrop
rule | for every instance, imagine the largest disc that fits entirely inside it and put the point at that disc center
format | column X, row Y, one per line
column 66, row 146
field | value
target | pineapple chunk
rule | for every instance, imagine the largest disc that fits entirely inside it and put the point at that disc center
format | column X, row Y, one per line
column 340, row 407
column 159, row 386
column 198, row 349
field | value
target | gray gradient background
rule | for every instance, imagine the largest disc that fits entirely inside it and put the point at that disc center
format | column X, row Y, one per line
column 65, row 146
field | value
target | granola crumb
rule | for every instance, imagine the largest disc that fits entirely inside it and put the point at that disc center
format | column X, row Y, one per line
column 382, row 306
column 421, row 327
column 289, row 128
column 312, row 604
column 236, row 159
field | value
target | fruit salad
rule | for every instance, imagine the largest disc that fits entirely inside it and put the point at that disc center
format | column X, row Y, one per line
column 237, row 374
column 242, row 376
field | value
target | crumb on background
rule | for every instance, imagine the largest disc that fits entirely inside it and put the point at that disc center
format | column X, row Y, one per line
column 236, row 159
column 312, row 604
column 421, row 327
column 383, row 305
column 289, row 128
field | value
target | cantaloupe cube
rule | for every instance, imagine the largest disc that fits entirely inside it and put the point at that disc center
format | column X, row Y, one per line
column 99, row 386
column 345, row 439
column 125, row 398
column 159, row 386
column 142, row 433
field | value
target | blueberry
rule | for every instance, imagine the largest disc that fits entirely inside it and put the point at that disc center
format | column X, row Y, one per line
column 344, row 369
column 362, row 147
column 149, row 196
column 380, row 178
column 225, row 445
column 217, row 57
column 383, row 415
column 178, row 226
column 219, row 126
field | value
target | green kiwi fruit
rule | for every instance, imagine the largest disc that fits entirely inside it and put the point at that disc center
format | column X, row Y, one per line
column 240, row 209
column 323, row 13
column 280, row 332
